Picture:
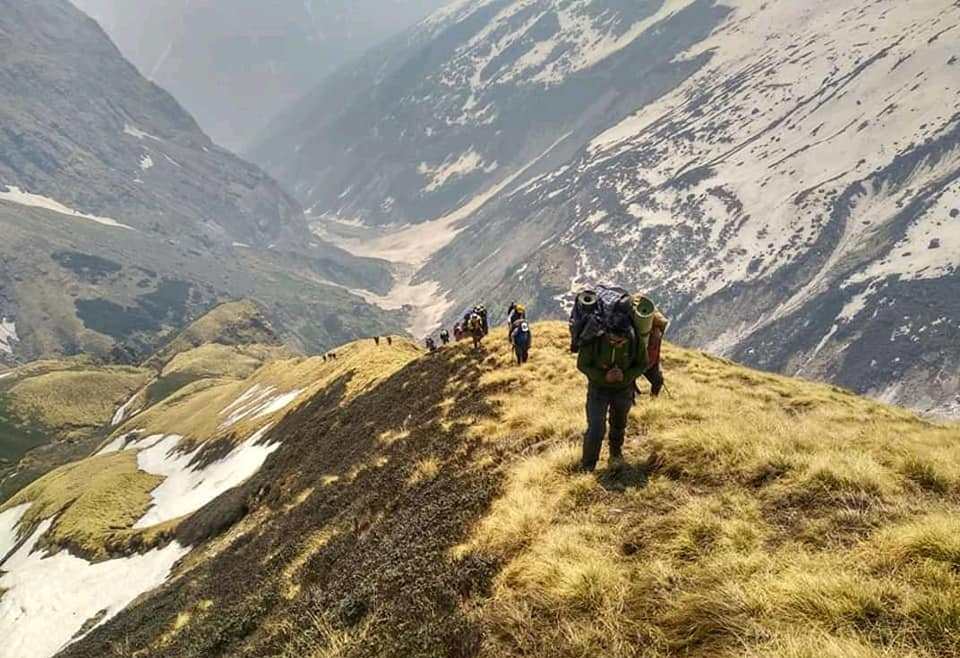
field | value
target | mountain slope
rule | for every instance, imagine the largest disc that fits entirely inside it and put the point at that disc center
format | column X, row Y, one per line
column 782, row 177
column 760, row 516
column 234, row 64
column 85, row 129
column 473, row 95
column 122, row 221
column 795, row 203
column 55, row 411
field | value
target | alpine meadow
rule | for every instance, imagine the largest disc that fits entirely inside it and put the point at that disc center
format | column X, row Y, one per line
column 480, row 329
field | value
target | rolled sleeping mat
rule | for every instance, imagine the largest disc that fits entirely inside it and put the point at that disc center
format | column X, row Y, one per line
column 644, row 311
column 587, row 299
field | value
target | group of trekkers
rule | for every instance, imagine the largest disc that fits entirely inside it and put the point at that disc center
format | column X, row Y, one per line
column 616, row 337
column 475, row 325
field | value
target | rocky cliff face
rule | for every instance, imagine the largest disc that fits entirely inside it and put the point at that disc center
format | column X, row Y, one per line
column 472, row 96
column 782, row 176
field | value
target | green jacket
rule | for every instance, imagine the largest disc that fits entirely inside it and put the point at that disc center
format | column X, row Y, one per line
column 599, row 356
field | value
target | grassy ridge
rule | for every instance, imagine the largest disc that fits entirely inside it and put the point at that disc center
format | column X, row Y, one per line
column 97, row 500
column 759, row 516
column 71, row 400
column 763, row 516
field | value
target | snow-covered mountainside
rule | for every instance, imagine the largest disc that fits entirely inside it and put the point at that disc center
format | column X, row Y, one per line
column 783, row 176
column 471, row 96
column 121, row 220
column 235, row 63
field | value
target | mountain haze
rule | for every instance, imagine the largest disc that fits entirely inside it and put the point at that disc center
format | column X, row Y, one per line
column 235, row 63
column 782, row 176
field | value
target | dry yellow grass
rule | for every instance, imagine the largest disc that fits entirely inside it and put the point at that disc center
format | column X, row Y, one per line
column 779, row 518
column 95, row 502
column 788, row 518
column 198, row 411
column 210, row 361
column 76, row 397
column 233, row 323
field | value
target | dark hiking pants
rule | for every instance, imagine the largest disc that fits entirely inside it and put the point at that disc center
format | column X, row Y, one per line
column 603, row 404
column 523, row 353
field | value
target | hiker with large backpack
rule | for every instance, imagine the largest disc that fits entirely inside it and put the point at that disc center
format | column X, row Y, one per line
column 521, row 338
column 444, row 336
column 610, row 331
column 475, row 329
column 481, row 311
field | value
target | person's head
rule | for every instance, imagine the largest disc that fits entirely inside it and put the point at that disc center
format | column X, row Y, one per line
column 619, row 330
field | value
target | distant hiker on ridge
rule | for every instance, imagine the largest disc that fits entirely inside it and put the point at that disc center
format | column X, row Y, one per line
column 516, row 312
column 431, row 344
column 521, row 338
column 444, row 336
column 376, row 339
column 481, row 311
column 475, row 329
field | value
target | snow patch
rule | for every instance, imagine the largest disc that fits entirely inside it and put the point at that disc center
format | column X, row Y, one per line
column 187, row 488
column 133, row 131
column 8, row 336
column 146, row 162
column 451, row 169
column 9, row 519
column 121, row 413
column 16, row 195
column 258, row 401
column 49, row 598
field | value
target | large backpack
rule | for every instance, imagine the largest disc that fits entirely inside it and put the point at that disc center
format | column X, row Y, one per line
column 595, row 311
column 474, row 323
column 520, row 333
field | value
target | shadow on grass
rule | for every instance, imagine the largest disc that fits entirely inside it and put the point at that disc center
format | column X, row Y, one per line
column 628, row 476
column 347, row 522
